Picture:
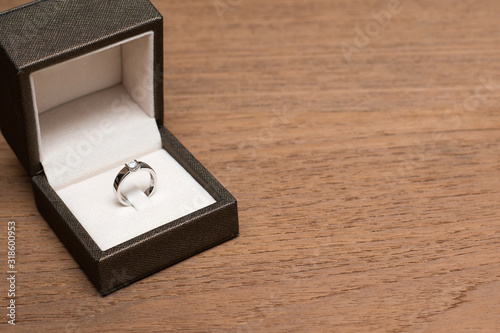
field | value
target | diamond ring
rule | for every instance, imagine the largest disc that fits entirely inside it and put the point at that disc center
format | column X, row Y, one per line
column 129, row 168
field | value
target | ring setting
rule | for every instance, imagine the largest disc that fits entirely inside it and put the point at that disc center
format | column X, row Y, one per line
column 130, row 168
column 133, row 166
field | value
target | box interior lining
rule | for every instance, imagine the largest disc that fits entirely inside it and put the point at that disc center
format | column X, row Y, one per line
column 94, row 113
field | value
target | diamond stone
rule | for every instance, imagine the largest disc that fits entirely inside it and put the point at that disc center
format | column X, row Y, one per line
column 133, row 166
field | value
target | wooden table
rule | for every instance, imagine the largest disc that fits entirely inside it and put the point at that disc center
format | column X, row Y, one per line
column 365, row 157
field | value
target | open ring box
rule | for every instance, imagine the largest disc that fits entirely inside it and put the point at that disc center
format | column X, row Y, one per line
column 81, row 94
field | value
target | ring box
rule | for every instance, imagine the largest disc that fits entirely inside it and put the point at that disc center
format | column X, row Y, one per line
column 81, row 94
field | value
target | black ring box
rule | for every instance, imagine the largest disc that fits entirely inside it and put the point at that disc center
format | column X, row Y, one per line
column 48, row 32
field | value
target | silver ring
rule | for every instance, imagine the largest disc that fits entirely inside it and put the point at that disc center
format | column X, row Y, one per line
column 129, row 168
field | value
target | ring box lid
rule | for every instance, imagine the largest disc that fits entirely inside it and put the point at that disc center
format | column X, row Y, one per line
column 31, row 39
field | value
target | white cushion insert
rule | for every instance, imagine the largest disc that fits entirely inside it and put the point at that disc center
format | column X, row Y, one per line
column 94, row 204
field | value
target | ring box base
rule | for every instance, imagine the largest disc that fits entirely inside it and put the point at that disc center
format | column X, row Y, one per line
column 144, row 255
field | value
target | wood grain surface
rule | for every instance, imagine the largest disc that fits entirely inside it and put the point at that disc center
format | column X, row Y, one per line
column 365, row 157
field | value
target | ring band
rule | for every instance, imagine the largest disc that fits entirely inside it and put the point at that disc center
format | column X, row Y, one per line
column 129, row 168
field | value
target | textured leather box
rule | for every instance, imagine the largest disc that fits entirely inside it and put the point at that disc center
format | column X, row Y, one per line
column 81, row 94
